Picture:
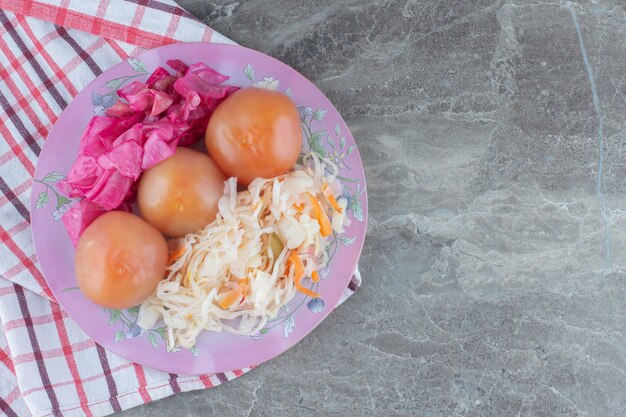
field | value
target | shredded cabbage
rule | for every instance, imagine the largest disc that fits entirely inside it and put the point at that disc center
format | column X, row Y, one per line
column 235, row 274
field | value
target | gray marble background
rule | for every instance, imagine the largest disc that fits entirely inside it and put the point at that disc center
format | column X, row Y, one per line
column 494, row 267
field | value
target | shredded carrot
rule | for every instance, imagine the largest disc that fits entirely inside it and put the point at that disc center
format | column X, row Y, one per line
column 331, row 198
column 189, row 316
column 315, row 277
column 176, row 254
column 334, row 204
column 245, row 289
column 245, row 285
column 298, row 274
column 322, row 218
column 230, row 297
column 299, row 207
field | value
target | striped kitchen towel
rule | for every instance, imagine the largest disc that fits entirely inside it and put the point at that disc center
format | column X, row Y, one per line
column 50, row 50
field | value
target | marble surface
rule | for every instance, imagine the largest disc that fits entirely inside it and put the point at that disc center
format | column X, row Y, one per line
column 494, row 268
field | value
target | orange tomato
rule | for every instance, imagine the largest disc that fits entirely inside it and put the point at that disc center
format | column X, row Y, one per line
column 180, row 194
column 254, row 133
column 119, row 260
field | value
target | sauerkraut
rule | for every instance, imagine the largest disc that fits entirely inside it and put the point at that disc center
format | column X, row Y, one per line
column 266, row 244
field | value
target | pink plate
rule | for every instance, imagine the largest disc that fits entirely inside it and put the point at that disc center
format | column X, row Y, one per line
column 325, row 132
